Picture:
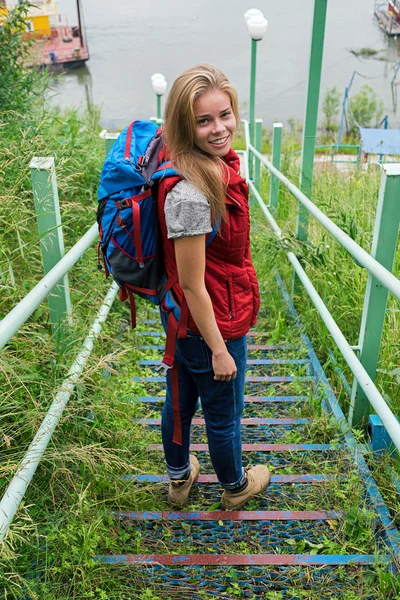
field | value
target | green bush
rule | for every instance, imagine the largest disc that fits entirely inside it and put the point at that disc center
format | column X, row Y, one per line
column 330, row 109
column 366, row 109
column 20, row 84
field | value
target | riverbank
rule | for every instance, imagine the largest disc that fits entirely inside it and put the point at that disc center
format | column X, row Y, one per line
column 118, row 74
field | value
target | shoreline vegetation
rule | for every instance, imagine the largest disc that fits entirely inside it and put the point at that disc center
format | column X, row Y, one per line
column 65, row 518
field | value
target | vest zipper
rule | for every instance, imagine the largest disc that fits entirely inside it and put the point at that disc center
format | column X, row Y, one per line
column 229, row 290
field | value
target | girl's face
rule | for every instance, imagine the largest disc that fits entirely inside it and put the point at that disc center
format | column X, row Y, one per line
column 215, row 122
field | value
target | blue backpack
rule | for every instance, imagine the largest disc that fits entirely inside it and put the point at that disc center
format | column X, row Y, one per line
column 127, row 213
column 127, row 216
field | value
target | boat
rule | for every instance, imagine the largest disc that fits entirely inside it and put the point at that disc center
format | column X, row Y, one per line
column 388, row 16
column 56, row 43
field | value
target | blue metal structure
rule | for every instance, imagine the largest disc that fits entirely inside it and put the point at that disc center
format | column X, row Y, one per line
column 380, row 141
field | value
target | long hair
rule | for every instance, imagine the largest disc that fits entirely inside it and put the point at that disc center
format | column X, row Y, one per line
column 204, row 171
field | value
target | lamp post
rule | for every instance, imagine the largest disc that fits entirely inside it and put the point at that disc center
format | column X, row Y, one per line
column 257, row 26
column 159, row 84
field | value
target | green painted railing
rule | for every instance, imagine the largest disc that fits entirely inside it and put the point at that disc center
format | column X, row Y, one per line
column 53, row 286
column 380, row 280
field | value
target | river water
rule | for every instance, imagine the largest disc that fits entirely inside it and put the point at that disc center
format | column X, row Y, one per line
column 130, row 40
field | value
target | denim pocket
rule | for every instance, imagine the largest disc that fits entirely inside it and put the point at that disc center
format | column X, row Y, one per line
column 194, row 353
column 237, row 348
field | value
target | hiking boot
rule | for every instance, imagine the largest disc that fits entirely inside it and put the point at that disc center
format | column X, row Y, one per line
column 257, row 480
column 178, row 491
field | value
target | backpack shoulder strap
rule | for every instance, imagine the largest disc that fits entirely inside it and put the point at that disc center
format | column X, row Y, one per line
column 165, row 169
column 215, row 229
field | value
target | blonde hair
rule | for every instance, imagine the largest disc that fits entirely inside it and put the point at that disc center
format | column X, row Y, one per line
column 204, row 171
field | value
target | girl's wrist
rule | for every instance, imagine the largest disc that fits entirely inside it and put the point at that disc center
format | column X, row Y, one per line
column 217, row 352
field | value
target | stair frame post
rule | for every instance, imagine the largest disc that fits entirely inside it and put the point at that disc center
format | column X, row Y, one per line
column 109, row 140
column 383, row 250
column 276, row 161
column 45, row 194
column 258, row 146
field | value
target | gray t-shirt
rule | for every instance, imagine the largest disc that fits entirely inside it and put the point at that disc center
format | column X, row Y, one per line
column 187, row 211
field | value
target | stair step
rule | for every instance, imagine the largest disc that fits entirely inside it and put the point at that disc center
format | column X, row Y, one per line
column 254, row 429
column 249, row 421
column 244, row 559
column 226, row 531
column 255, row 406
column 150, row 333
column 250, row 334
column 250, row 348
column 250, row 362
column 247, row 399
column 266, row 447
column 226, row 515
column 285, row 491
column 211, row 478
column 255, row 379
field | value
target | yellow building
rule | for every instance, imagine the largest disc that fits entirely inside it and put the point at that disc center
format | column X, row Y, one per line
column 38, row 21
column 3, row 10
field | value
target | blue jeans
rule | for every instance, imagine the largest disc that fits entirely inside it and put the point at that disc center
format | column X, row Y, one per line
column 222, row 403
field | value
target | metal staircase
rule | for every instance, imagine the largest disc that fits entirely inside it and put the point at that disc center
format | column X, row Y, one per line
column 297, row 539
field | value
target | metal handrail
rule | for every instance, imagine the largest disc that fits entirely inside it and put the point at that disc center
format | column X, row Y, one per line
column 362, row 257
column 27, row 468
column 16, row 489
column 23, row 310
column 366, row 383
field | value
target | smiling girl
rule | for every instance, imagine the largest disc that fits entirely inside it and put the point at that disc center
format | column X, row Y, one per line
column 216, row 281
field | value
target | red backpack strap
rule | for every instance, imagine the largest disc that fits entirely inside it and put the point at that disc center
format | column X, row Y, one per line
column 168, row 364
column 177, row 436
column 137, row 233
column 183, row 321
column 174, row 329
column 132, row 306
column 127, row 154
column 123, row 294
column 171, row 281
column 168, row 360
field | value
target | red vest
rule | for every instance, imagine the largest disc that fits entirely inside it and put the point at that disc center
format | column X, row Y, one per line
column 230, row 277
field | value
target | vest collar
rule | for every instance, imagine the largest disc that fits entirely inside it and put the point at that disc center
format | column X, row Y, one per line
column 232, row 173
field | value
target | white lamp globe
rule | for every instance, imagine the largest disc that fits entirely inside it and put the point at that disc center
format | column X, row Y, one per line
column 157, row 76
column 159, row 86
column 252, row 12
column 257, row 27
